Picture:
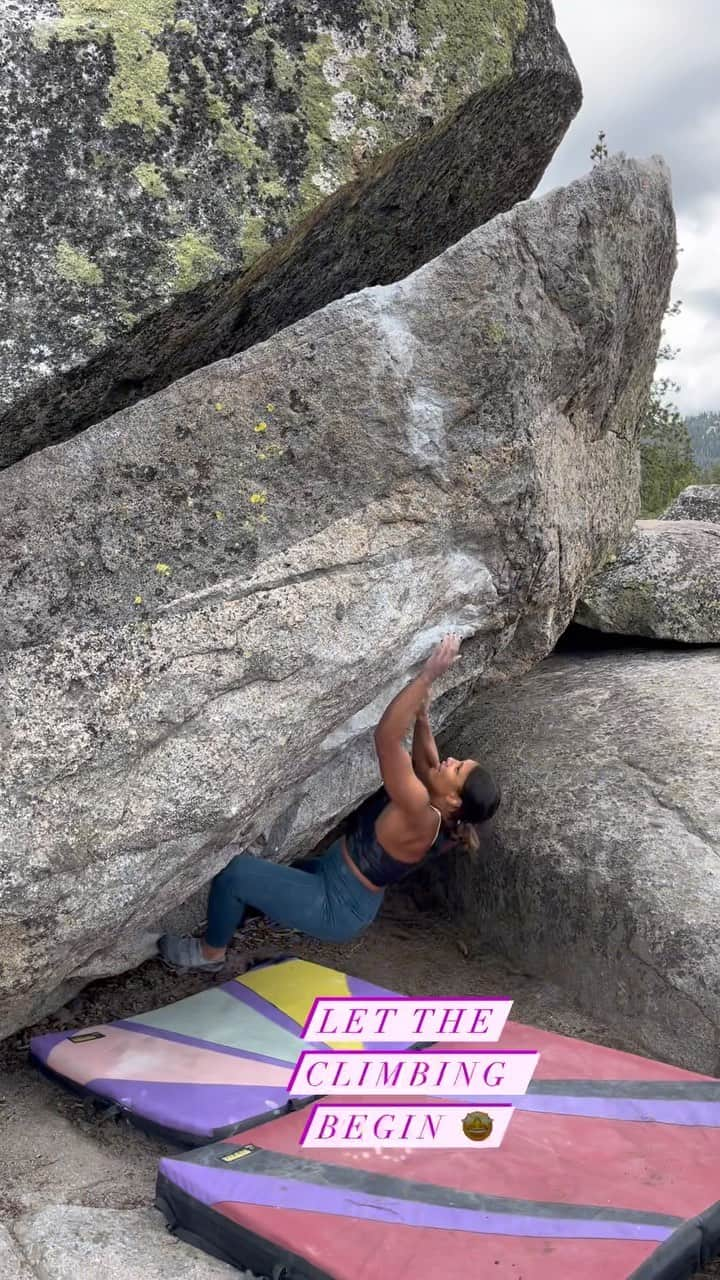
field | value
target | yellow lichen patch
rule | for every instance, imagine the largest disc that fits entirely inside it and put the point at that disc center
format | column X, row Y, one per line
column 261, row 426
column 73, row 265
column 270, row 451
column 272, row 188
column 141, row 71
column 495, row 332
column 270, row 408
column 138, row 600
column 162, row 568
column 258, row 499
column 195, row 259
column 151, row 180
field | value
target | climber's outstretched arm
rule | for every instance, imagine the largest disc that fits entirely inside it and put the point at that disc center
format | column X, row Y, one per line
column 402, row 783
column 425, row 755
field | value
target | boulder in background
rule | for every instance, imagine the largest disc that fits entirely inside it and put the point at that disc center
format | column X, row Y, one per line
column 601, row 870
column 664, row 584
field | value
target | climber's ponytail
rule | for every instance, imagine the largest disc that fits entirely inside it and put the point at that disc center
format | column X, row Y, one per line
column 467, row 838
column 480, row 800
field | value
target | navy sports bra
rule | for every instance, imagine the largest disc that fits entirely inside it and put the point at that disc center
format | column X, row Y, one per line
column 375, row 863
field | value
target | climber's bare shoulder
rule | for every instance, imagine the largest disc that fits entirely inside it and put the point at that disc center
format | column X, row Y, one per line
column 407, row 837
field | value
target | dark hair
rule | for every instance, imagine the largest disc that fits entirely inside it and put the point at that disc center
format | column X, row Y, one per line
column 480, row 799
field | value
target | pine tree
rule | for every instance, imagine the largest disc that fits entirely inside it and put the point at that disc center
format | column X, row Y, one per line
column 599, row 151
column 666, row 452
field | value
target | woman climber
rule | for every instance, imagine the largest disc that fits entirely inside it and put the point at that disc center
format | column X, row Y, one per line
column 425, row 806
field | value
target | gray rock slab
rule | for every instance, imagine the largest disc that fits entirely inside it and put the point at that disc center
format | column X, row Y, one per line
column 602, row 868
column 664, row 584
column 209, row 599
column 65, row 1242
column 12, row 1263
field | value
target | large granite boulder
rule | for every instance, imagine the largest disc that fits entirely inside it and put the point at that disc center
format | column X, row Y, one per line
column 153, row 153
column 208, row 599
column 601, row 871
column 664, row 584
column 697, row 502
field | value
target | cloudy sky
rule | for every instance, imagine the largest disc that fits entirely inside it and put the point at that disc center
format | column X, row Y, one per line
column 651, row 79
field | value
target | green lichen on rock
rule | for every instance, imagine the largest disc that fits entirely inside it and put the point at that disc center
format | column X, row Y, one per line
column 285, row 68
column 469, row 40
column 74, row 265
column 272, row 188
column 317, row 109
column 238, row 142
column 151, row 179
column 459, row 47
column 141, row 70
column 235, row 140
column 232, row 122
column 252, row 239
column 495, row 333
column 195, row 260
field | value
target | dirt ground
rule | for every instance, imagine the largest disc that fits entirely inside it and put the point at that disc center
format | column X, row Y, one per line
column 51, row 1152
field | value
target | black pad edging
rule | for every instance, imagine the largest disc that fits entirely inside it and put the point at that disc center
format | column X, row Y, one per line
column 218, row 1236
column 692, row 1246
column 181, row 1141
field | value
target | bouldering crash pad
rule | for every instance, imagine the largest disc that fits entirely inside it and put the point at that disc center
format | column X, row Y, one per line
column 609, row 1170
column 208, row 1065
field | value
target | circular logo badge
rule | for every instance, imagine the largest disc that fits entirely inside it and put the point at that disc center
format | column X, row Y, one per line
column 477, row 1126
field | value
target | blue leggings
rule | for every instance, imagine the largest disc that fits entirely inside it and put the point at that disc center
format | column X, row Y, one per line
column 323, row 899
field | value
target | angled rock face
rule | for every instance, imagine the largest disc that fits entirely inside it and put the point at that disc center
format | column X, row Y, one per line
column 664, row 584
column 209, row 598
column 153, row 154
column 602, row 871
column 697, row 502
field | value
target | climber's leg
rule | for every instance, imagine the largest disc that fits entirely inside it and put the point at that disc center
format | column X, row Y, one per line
column 328, row 903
